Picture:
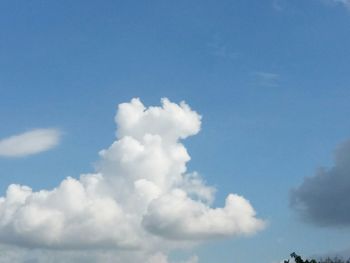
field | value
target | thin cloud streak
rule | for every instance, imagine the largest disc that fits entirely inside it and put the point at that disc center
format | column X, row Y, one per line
column 29, row 143
column 267, row 79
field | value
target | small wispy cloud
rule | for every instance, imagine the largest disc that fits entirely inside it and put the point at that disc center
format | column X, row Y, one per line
column 29, row 143
column 219, row 49
column 345, row 3
column 266, row 79
column 278, row 5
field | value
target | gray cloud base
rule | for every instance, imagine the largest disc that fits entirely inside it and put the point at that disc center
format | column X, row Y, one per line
column 324, row 199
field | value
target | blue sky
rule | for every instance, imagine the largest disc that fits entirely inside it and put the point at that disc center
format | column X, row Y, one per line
column 270, row 78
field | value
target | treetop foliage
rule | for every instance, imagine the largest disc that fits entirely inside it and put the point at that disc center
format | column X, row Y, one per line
column 298, row 259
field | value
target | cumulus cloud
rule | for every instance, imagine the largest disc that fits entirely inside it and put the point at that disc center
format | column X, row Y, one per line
column 324, row 199
column 177, row 216
column 140, row 199
column 28, row 143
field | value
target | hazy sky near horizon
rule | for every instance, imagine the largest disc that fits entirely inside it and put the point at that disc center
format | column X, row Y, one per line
column 269, row 78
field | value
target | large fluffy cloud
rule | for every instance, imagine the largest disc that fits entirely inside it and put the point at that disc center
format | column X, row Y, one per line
column 140, row 198
column 324, row 199
column 28, row 143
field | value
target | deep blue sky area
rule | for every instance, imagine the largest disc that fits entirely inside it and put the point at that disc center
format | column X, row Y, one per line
column 270, row 78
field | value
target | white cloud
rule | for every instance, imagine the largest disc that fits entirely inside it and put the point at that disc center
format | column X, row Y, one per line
column 139, row 202
column 177, row 216
column 28, row 143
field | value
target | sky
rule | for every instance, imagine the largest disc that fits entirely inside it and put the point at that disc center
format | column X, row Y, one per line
column 174, row 131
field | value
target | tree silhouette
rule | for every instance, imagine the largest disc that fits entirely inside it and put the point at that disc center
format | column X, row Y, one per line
column 298, row 259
